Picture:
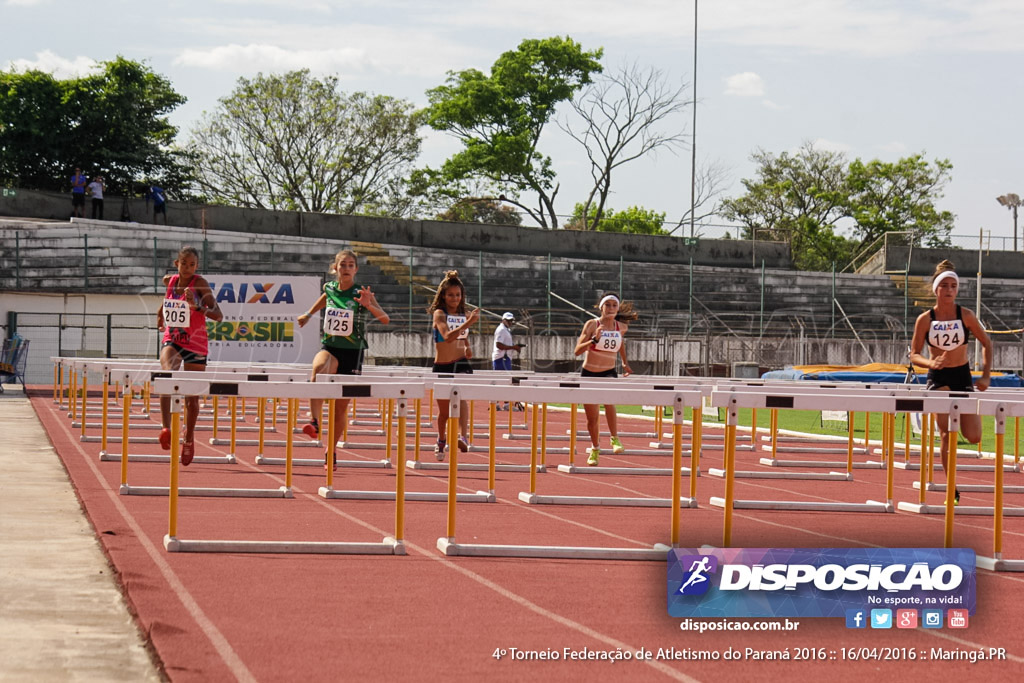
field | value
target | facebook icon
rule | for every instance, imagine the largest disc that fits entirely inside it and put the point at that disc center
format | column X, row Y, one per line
column 856, row 618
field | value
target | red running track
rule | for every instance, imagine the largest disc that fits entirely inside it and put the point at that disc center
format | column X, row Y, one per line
column 426, row 617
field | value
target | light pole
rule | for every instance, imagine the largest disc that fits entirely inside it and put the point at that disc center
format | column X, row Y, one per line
column 1012, row 202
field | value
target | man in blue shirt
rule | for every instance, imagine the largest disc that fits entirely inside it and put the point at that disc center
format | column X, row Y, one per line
column 78, row 182
column 159, row 202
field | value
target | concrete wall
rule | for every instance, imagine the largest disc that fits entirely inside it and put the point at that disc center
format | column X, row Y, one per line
column 426, row 234
column 995, row 264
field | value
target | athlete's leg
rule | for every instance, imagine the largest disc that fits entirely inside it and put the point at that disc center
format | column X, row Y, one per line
column 592, row 411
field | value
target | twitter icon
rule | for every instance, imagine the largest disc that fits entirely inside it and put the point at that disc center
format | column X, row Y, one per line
column 881, row 618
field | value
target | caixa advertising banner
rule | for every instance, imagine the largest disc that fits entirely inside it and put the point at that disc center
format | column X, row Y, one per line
column 259, row 324
column 817, row 582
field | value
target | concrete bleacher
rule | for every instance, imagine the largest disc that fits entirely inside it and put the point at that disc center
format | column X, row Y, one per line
column 129, row 258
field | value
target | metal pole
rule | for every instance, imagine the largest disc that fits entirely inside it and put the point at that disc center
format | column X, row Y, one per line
column 833, row 329
column 412, row 255
column 156, row 288
column 689, row 309
column 977, row 303
column 85, row 242
column 762, row 298
column 480, row 290
column 906, row 299
column 693, row 132
column 17, row 260
column 549, row 295
column 109, row 345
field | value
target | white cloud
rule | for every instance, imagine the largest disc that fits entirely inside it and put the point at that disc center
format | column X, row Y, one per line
column 259, row 57
column 746, row 84
column 55, row 64
column 25, row 3
column 768, row 104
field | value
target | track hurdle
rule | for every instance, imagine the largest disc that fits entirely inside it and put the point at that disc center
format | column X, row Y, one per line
column 440, row 384
column 391, row 545
column 391, row 390
column 448, row 545
column 1001, row 411
column 1001, row 408
column 161, row 386
column 602, row 395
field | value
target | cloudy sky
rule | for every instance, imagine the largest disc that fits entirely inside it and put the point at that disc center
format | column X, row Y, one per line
column 872, row 78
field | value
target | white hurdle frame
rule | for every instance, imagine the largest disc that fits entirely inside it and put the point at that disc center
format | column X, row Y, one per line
column 779, row 397
column 391, row 545
column 678, row 400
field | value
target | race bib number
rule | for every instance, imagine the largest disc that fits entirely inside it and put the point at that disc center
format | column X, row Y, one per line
column 456, row 320
column 610, row 341
column 176, row 313
column 946, row 334
column 339, row 322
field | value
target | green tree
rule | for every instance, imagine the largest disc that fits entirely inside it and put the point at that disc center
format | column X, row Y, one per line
column 499, row 117
column 899, row 196
column 295, row 142
column 481, row 211
column 113, row 121
column 807, row 197
column 634, row 220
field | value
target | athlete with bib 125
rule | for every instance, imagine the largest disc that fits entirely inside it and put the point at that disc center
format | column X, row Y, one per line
column 947, row 327
column 343, row 343
column 601, row 341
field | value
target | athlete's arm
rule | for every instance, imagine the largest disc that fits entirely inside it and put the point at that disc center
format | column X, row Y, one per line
column 587, row 338
column 320, row 303
column 207, row 302
column 917, row 345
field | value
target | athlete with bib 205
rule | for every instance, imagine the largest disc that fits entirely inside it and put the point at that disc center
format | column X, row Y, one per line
column 344, row 339
column 182, row 318
column 601, row 341
column 946, row 328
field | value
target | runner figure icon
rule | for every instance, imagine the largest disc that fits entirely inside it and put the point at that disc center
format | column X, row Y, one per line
column 697, row 573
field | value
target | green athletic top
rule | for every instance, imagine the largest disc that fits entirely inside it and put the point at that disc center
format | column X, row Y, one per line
column 351, row 318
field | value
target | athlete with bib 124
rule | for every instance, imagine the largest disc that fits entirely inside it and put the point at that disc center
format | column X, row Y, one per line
column 946, row 328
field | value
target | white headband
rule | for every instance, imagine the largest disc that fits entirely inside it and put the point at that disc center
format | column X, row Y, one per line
column 606, row 299
column 942, row 276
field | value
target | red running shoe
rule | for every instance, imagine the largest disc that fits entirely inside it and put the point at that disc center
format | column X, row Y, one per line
column 165, row 439
column 188, row 450
column 312, row 430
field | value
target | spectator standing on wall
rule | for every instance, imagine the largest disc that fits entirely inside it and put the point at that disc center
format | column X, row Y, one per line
column 96, row 192
column 159, row 202
column 78, row 181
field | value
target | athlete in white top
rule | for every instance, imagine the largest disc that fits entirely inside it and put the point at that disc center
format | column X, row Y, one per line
column 600, row 342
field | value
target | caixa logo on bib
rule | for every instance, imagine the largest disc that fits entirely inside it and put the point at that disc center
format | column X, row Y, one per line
column 816, row 582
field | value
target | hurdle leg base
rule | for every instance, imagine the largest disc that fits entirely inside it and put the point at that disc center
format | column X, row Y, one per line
column 171, row 543
column 397, row 547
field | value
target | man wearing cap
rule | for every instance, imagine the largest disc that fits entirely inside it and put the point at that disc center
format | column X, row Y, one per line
column 503, row 343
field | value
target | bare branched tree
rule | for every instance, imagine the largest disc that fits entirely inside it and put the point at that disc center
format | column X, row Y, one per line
column 712, row 179
column 620, row 114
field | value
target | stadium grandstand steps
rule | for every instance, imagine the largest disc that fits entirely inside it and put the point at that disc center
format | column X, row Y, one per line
column 122, row 258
